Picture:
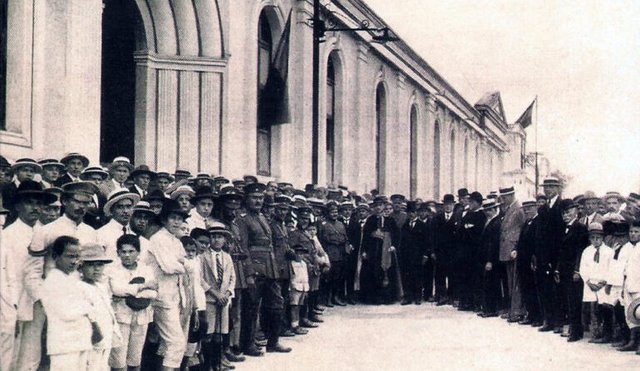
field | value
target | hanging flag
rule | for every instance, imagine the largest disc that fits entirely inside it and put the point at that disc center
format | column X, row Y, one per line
column 525, row 118
column 275, row 97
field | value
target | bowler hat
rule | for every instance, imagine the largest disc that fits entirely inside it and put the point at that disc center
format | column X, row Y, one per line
column 250, row 179
column 117, row 196
column 422, row 206
column 412, row 206
column 463, row 192
column 32, row 189
column 477, row 197
column 74, row 155
column 448, row 199
column 567, row 204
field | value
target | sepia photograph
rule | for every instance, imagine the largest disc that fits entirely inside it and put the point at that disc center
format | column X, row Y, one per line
column 213, row 185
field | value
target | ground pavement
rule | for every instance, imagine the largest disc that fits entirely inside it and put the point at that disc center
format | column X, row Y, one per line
column 427, row 337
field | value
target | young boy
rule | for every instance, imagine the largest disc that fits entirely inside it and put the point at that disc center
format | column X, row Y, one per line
column 133, row 286
column 632, row 286
column 594, row 264
column 93, row 259
column 70, row 313
column 299, row 287
column 197, row 297
column 218, row 281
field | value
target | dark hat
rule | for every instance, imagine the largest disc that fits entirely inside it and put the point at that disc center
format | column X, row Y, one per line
column 52, row 162
column 121, row 161
column 332, row 205
column 4, row 163
column 230, row 193
column 268, row 201
column 137, row 304
column 250, row 179
column 143, row 207
column 448, row 199
column 579, row 199
column 154, row 195
column 422, row 206
column 171, row 206
column 463, row 192
column 32, row 189
column 551, row 182
column 380, row 200
column 412, row 206
column 218, row 228
column 397, row 198
column 477, row 197
column 198, row 232
column 202, row 192
column 24, row 162
column 254, row 188
column 93, row 170
column 165, row 175
column 182, row 173
column 117, row 196
column 143, row 169
column 282, row 201
column 74, row 155
column 621, row 228
column 82, row 188
column 567, row 204
column 507, row 191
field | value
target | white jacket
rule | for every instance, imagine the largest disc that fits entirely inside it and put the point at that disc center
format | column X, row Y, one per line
column 592, row 270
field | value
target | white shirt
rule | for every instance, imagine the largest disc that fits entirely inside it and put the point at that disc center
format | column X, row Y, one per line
column 16, row 240
column 615, row 274
column 632, row 270
column 119, row 278
column 594, row 271
column 553, row 200
column 8, row 288
column 108, row 235
column 196, row 220
column 141, row 191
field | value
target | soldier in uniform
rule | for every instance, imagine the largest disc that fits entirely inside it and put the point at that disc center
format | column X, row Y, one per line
column 282, row 249
column 333, row 237
column 255, row 236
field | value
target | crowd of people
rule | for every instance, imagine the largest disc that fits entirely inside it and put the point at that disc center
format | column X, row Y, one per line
column 124, row 268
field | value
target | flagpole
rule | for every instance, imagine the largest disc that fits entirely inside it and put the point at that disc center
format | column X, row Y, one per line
column 537, row 172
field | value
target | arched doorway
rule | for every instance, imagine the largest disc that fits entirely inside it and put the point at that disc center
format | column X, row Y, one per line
column 122, row 35
column 381, row 118
column 413, row 151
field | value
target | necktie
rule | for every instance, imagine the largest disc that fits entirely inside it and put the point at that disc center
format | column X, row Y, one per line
column 219, row 270
column 124, row 229
column 596, row 256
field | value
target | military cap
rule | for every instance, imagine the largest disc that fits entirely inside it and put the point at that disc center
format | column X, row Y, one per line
column 32, row 189
column 229, row 192
column 463, row 192
column 254, row 188
column 202, row 193
column 80, row 188
column 74, row 155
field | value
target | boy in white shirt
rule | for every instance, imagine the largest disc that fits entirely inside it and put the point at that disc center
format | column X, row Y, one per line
column 133, row 286
column 594, row 265
column 631, row 289
column 299, row 287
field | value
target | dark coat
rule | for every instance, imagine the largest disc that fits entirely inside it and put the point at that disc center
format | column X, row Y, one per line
column 414, row 243
column 526, row 243
column 490, row 251
column 575, row 239
column 469, row 234
column 550, row 232
column 62, row 180
column 444, row 237
column 255, row 237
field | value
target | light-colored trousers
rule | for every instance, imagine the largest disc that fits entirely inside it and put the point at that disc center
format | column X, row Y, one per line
column 28, row 346
column 173, row 343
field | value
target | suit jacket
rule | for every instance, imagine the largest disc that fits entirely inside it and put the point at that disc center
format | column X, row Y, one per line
column 414, row 243
column 469, row 234
column 444, row 236
column 526, row 243
column 550, row 232
column 490, row 242
column 575, row 239
column 333, row 237
column 64, row 179
column 208, row 271
column 510, row 226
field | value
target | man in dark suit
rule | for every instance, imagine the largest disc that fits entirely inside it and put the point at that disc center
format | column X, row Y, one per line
column 524, row 252
column 549, row 231
column 75, row 163
column 488, row 257
column 574, row 240
column 142, row 177
column 413, row 250
column 444, row 227
column 469, row 239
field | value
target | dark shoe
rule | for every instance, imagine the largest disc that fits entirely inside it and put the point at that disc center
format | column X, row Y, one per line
column 574, row 338
column 232, row 357
column 261, row 343
column 300, row 331
column 525, row 321
column 308, row 324
column 405, row 302
column 351, row 301
column 601, row 340
column 278, row 349
column 316, row 319
column 319, row 308
column 557, row 330
column 628, row 347
column 488, row 315
column 253, row 352
column 441, row 303
column 546, row 328
column 417, row 302
column 316, row 312
column 287, row 333
column 329, row 305
column 536, row 324
column 338, row 302
column 514, row 319
column 430, row 299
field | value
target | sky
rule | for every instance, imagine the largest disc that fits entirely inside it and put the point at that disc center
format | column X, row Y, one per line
column 580, row 58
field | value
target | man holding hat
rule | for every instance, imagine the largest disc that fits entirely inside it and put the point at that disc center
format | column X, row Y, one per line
column 142, row 177
column 76, row 198
column 74, row 164
column 444, row 225
column 51, row 170
column 119, row 208
column 575, row 239
column 28, row 201
column 256, row 238
column 512, row 221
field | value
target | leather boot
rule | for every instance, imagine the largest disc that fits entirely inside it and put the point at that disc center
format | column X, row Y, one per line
column 632, row 345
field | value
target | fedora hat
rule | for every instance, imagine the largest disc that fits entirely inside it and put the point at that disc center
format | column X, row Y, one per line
column 117, row 196
column 507, row 191
column 74, row 155
column 32, row 189
column 24, row 162
column 551, row 182
column 143, row 169
column 121, row 161
column 201, row 193
column 633, row 311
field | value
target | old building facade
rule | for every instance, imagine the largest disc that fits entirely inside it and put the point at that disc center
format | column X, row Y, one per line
column 175, row 83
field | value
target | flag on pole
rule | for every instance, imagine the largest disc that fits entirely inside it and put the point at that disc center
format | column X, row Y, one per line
column 525, row 118
column 275, row 95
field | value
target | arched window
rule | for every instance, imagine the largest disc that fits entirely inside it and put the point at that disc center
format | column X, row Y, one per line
column 265, row 48
column 3, row 63
column 452, row 156
column 465, row 167
column 381, row 117
column 331, row 110
column 413, row 151
column 436, row 160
